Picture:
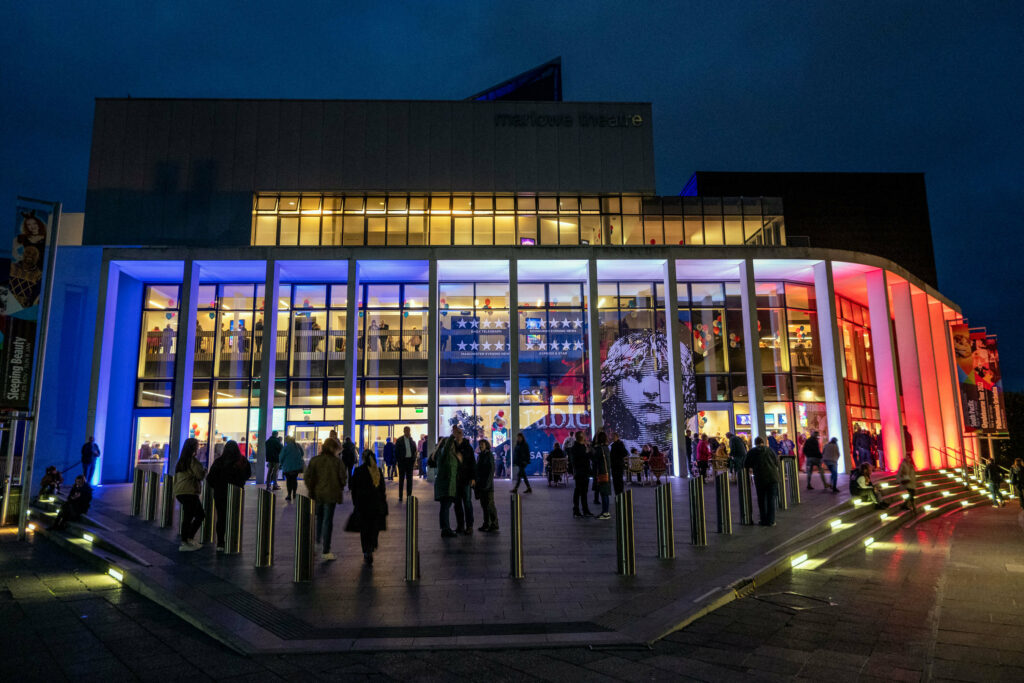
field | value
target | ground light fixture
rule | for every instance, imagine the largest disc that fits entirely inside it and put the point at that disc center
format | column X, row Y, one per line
column 88, row 537
column 884, row 516
column 836, row 523
column 945, row 494
column 31, row 526
column 868, row 541
column 927, row 508
column 964, row 503
column 115, row 573
column 798, row 560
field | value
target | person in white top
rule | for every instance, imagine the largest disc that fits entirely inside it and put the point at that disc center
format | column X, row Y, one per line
column 907, row 477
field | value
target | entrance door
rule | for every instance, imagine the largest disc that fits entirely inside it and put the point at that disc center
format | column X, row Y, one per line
column 373, row 435
column 309, row 436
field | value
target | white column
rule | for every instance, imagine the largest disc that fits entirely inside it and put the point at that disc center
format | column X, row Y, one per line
column 432, row 353
column 513, row 354
column 910, row 370
column 184, row 360
column 352, row 323
column 929, row 379
column 885, row 367
column 830, row 343
column 675, row 368
column 102, row 358
column 594, row 348
column 268, row 365
column 751, row 350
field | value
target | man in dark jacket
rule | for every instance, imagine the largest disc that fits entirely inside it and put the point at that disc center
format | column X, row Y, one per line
column 812, row 452
column 348, row 455
column 273, row 460
column 77, row 504
column 464, row 480
column 231, row 467
column 389, row 458
column 580, row 456
column 405, row 454
column 765, row 466
column 90, row 453
column 737, row 451
column 618, row 455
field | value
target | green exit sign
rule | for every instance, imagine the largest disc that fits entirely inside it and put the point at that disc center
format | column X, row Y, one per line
column 419, row 411
column 307, row 411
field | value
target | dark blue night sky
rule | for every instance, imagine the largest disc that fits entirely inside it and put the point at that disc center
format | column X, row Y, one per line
column 928, row 86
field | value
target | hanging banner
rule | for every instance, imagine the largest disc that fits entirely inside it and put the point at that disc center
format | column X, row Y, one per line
column 21, row 284
column 963, row 352
column 989, row 381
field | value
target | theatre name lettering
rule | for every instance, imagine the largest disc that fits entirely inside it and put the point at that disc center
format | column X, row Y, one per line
column 582, row 119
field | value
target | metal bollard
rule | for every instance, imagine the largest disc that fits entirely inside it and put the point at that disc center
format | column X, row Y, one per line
column 789, row 465
column 412, row 539
column 666, row 528
column 783, row 503
column 265, row 519
column 206, row 532
column 138, row 482
column 516, row 551
column 724, row 504
column 746, row 497
column 233, row 528
column 698, row 524
column 166, row 516
column 304, row 536
column 625, row 543
column 150, row 494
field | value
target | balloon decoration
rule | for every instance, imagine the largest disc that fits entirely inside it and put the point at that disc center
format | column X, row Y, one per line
column 169, row 316
column 734, row 340
column 170, row 303
column 212, row 315
column 801, row 333
column 653, row 241
column 305, row 303
column 702, row 420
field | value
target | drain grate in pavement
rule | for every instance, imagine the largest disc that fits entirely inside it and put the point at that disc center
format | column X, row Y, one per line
column 287, row 627
column 794, row 601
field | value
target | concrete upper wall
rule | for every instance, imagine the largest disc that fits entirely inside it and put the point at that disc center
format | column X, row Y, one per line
column 183, row 172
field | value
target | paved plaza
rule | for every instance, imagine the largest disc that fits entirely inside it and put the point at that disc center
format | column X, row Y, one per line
column 571, row 593
column 935, row 602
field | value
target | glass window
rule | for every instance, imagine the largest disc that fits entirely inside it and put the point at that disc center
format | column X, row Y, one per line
column 310, row 296
column 264, row 230
column 151, row 438
column 154, row 395
column 289, row 231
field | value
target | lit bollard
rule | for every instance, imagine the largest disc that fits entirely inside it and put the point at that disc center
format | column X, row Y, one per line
column 412, row 539
column 150, row 494
column 724, row 505
column 166, row 516
column 789, row 466
column 625, row 543
column 666, row 528
column 304, row 536
column 783, row 503
column 698, row 524
column 138, row 484
column 746, row 496
column 233, row 528
column 206, row 531
column 265, row 518
column 516, row 551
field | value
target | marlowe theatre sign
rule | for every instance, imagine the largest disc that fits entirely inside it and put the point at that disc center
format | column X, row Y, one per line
column 582, row 119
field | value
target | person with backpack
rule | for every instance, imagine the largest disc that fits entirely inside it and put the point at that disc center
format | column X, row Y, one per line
column 765, row 466
column 231, row 468
column 188, row 478
column 521, row 459
column 292, row 464
column 907, row 476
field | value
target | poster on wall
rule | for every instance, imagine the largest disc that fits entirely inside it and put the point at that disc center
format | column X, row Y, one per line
column 636, row 389
column 21, row 285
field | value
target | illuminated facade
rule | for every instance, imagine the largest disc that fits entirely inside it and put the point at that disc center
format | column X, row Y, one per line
column 364, row 266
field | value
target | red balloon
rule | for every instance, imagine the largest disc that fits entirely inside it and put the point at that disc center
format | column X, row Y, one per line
column 501, row 413
column 680, row 241
column 487, row 302
column 652, row 241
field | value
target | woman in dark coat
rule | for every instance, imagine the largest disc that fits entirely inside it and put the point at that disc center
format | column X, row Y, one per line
column 485, row 485
column 521, row 459
column 230, row 468
column 371, row 507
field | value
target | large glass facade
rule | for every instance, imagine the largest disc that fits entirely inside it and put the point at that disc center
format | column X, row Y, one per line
column 508, row 219
column 154, row 388
column 858, row 366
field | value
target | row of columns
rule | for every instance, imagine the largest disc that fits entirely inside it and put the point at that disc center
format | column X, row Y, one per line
column 917, row 356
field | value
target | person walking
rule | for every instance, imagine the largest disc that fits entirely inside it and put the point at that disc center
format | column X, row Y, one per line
column 90, row 454
column 907, row 477
column 688, row 453
column 274, row 448
column 389, row 458
column 292, row 465
column 738, row 452
column 812, row 452
column 188, row 476
column 994, row 475
column 348, row 456
column 370, row 516
column 325, row 482
column 602, row 473
column 405, row 455
column 231, row 468
column 446, row 460
column 484, row 486
column 765, row 466
column 76, row 505
column 618, row 455
column 521, row 459
column 423, row 455
column 830, row 456
column 1017, row 480
column 464, row 480
column 703, row 456
column 580, row 476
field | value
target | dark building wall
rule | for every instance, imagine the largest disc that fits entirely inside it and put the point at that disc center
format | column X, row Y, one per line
column 183, row 172
column 885, row 214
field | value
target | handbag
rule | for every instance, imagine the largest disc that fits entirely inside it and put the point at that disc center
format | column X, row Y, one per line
column 602, row 478
column 431, row 474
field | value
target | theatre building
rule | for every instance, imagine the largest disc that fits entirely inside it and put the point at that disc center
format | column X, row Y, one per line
column 315, row 265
